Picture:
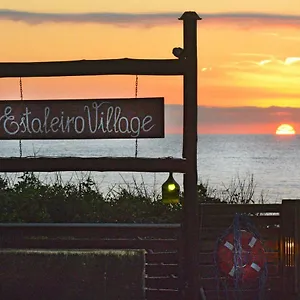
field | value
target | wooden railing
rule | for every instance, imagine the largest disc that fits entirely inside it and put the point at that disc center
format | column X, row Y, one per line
column 160, row 242
column 276, row 223
column 215, row 220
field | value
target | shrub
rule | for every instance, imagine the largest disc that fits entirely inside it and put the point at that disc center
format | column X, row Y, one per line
column 31, row 200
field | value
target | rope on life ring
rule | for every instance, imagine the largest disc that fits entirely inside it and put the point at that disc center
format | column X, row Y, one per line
column 251, row 257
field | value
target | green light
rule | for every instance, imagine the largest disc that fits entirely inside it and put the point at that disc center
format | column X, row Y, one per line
column 170, row 191
column 171, row 187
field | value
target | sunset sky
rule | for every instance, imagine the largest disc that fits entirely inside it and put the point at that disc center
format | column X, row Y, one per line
column 248, row 55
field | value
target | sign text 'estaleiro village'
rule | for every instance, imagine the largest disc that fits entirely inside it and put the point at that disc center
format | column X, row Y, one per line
column 82, row 119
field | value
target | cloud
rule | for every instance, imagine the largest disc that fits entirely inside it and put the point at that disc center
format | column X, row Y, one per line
column 264, row 62
column 287, row 61
column 101, row 17
column 248, row 20
column 239, row 116
column 247, row 115
column 245, row 19
column 206, row 69
column 291, row 60
column 258, row 61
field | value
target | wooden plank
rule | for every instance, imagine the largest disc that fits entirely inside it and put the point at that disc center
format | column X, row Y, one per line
column 154, row 294
column 90, row 230
column 204, row 258
column 265, row 233
column 165, row 258
column 246, row 295
column 221, row 221
column 165, row 283
column 274, row 283
column 208, row 258
column 148, row 245
column 223, row 209
column 210, row 245
column 102, row 164
column 162, row 270
column 208, row 284
column 125, row 118
column 210, row 271
column 207, row 271
column 92, row 67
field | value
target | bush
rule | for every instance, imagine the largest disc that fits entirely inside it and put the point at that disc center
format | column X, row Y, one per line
column 30, row 200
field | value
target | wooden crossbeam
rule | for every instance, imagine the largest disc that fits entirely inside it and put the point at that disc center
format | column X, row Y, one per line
column 102, row 164
column 124, row 66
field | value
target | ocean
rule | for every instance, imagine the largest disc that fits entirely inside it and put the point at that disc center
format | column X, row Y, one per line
column 272, row 160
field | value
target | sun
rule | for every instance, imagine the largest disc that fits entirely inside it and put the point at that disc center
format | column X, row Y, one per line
column 285, row 129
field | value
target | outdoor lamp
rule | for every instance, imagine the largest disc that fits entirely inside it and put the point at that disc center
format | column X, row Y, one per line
column 289, row 251
column 170, row 191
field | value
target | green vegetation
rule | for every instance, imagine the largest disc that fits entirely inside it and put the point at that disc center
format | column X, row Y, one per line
column 31, row 200
column 68, row 274
column 86, row 274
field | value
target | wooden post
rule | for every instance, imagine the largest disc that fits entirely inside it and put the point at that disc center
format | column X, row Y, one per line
column 190, row 238
column 297, row 248
column 290, row 248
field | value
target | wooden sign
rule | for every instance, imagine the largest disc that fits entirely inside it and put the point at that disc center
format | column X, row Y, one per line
column 82, row 119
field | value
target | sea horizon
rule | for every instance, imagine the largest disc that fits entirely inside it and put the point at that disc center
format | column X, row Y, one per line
column 272, row 160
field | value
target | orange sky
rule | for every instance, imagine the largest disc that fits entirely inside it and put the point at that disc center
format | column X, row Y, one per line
column 246, row 58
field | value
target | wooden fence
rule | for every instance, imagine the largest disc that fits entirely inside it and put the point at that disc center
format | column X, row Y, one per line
column 214, row 222
column 162, row 243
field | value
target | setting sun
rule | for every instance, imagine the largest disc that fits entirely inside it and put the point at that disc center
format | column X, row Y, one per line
column 285, row 129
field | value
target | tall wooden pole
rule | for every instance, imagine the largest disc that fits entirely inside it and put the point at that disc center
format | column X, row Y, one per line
column 191, row 216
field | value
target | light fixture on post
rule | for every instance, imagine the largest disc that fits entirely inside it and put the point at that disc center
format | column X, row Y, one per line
column 289, row 227
column 170, row 191
column 289, row 251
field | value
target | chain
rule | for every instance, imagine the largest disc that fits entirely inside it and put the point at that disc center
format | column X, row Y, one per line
column 136, row 85
column 21, row 96
column 21, row 89
column 136, row 94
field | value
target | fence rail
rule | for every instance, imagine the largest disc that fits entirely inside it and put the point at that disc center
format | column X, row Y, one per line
column 162, row 244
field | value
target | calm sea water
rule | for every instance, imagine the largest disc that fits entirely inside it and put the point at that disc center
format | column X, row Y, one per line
column 273, row 160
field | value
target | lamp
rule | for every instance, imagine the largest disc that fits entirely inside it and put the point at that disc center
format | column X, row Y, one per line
column 170, row 190
column 289, row 251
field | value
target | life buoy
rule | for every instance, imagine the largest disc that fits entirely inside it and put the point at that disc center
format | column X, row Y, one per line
column 252, row 259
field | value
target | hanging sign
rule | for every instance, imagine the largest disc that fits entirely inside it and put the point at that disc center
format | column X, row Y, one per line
column 82, row 119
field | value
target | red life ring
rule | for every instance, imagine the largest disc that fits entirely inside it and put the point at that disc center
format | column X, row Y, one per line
column 253, row 256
